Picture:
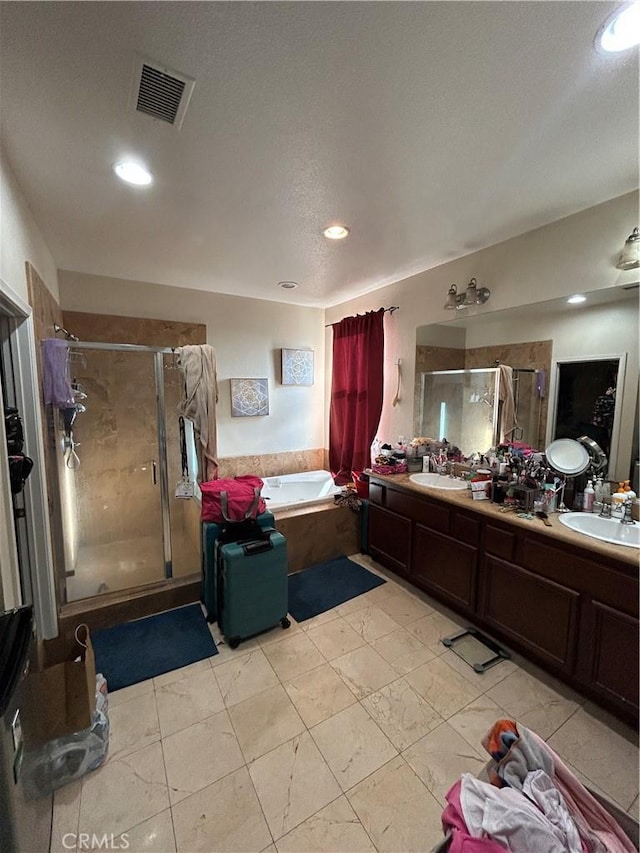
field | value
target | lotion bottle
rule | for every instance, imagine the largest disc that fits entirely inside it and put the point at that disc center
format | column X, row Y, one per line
column 588, row 498
column 617, row 501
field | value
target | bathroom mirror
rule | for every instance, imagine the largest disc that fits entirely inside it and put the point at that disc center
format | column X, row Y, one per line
column 540, row 337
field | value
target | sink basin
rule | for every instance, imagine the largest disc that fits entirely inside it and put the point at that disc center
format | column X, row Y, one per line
column 437, row 481
column 605, row 529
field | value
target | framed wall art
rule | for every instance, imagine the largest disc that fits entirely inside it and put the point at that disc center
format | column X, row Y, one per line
column 297, row 367
column 249, row 398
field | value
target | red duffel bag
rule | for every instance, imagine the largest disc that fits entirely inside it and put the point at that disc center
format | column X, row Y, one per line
column 232, row 499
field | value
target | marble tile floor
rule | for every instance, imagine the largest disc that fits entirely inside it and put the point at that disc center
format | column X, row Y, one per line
column 129, row 562
column 341, row 734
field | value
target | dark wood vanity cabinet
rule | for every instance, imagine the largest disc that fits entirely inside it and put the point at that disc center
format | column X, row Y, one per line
column 610, row 653
column 445, row 567
column 570, row 610
column 537, row 614
column 390, row 539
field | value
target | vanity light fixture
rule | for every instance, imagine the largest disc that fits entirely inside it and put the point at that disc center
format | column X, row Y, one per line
column 133, row 173
column 473, row 295
column 575, row 300
column 630, row 257
column 336, row 232
column 621, row 30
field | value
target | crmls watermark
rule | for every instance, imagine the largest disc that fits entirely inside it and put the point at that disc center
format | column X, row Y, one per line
column 92, row 841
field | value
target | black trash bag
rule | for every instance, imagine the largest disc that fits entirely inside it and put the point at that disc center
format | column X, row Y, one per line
column 19, row 469
column 13, row 430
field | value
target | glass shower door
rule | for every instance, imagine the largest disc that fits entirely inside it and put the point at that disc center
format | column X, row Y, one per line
column 112, row 503
column 461, row 406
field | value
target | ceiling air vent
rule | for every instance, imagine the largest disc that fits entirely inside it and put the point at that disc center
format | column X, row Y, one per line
column 161, row 92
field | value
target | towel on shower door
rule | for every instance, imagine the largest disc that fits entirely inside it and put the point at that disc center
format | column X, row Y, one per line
column 508, row 420
column 57, row 381
column 198, row 365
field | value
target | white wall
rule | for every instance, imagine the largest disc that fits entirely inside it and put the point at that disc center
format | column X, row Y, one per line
column 20, row 238
column 576, row 254
column 247, row 335
column 21, row 241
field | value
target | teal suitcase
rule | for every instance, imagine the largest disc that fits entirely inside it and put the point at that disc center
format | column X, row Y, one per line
column 210, row 534
column 252, row 588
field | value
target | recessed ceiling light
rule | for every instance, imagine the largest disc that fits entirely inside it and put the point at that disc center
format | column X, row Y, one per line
column 574, row 300
column 288, row 285
column 336, row 232
column 621, row 30
column 133, row 173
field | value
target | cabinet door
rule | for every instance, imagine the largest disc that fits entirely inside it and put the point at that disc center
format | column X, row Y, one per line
column 390, row 539
column 614, row 656
column 540, row 615
column 445, row 567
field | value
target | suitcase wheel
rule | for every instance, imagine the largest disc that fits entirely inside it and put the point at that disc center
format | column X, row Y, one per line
column 234, row 642
column 285, row 622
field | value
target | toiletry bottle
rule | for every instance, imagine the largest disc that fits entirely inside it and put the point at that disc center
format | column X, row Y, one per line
column 629, row 493
column 597, row 498
column 588, row 498
column 617, row 501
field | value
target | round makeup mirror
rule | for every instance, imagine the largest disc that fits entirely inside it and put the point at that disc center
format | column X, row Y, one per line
column 568, row 456
column 597, row 455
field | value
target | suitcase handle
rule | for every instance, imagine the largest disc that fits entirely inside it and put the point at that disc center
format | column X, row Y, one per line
column 257, row 547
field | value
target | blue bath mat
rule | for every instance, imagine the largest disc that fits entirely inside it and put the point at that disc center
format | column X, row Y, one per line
column 319, row 588
column 135, row 651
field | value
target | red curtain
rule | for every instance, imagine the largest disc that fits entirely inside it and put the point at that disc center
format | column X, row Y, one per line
column 356, row 392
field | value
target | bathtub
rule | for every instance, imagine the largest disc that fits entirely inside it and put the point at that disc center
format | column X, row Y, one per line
column 294, row 490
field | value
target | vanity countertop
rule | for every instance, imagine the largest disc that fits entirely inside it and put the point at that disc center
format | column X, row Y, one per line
column 558, row 532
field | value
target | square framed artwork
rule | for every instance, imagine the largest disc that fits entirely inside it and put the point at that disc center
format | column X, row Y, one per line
column 249, row 398
column 297, row 367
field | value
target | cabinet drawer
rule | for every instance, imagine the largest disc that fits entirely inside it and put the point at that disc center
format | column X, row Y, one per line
column 376, row 494
column 499, row 542
column 466, row 528
column 596, row 580
column 434, row 515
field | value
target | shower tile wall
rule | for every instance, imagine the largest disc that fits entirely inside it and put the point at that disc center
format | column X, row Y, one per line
column 110, row 328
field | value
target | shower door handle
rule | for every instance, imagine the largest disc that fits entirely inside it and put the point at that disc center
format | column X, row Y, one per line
column 154, row 472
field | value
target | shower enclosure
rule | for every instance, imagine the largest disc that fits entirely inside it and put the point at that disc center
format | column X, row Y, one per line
column 463, row 406
column 122, row 525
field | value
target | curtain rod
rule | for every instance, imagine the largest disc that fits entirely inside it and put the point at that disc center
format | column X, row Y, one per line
column 390, row 310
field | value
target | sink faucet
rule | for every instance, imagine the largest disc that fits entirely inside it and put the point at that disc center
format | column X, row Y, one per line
column 605, row 512
column 627, row 517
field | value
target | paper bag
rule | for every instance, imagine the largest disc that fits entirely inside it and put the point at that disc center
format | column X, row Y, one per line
column 61, row 698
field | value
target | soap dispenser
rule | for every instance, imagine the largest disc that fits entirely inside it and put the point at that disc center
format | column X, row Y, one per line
column 599, row 491
column 588, row 498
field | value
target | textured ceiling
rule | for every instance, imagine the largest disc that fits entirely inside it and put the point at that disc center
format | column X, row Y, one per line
column 431, row 129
